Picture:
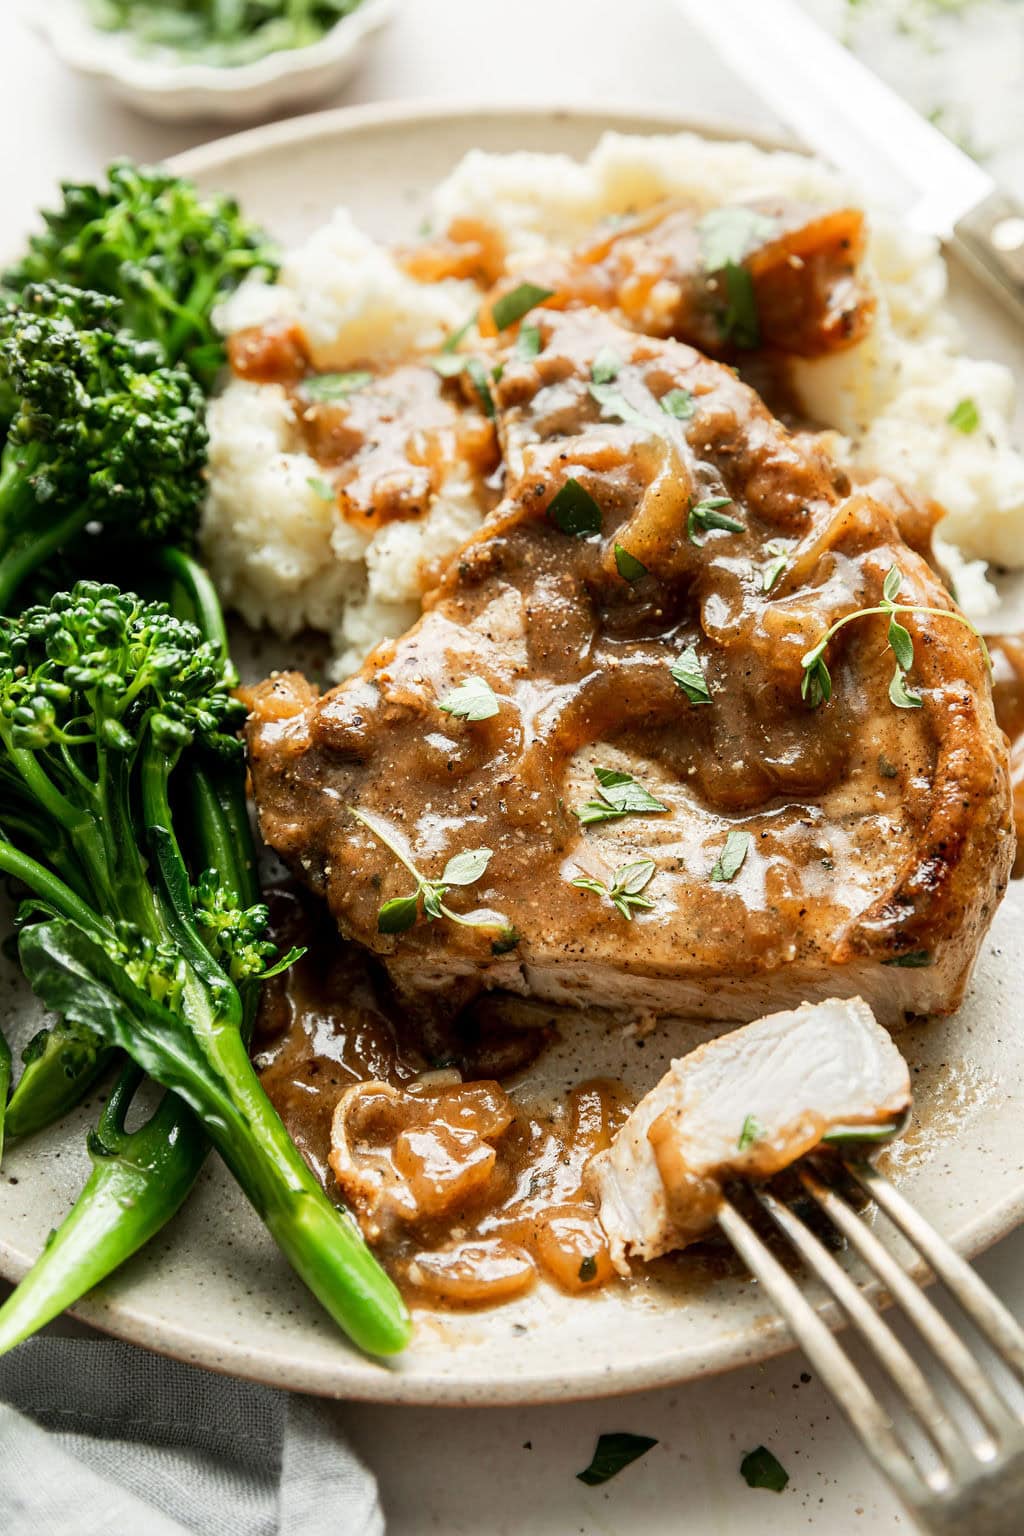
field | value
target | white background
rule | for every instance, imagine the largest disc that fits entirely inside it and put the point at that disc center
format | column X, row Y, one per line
column 512, row 1471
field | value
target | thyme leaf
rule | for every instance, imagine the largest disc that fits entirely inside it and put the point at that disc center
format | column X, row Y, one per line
column 734, row 851
column 816, row 683
column 400, row 913
column 621, row 795
column 624, row 892
column 705, row 514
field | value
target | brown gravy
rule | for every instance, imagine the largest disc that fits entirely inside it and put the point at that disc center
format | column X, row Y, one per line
column 492, row 1181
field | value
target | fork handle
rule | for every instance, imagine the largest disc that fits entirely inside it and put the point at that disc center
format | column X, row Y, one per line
column 990, row 239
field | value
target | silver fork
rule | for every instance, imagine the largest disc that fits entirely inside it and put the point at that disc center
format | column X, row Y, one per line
column 974, row 1485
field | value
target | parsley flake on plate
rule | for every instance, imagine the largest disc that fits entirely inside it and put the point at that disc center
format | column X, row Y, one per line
column 611, row 1454
column 763, row 1470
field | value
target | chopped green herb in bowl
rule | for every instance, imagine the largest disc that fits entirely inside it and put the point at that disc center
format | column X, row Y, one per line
column 224, row 33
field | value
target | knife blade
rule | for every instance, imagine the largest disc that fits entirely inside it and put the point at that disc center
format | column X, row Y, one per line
column 852, row 118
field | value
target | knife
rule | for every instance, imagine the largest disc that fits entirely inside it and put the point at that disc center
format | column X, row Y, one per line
column 851, row 117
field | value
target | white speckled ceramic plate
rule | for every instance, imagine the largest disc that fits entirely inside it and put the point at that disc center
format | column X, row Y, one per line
column 212, row 1288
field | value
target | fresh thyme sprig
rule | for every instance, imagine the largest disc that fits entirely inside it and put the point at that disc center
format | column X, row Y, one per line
column 816, row 684
column 624, row 893
column 400, row 913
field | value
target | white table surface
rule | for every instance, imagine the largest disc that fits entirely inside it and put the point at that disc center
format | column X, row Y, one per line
column 487, row 1473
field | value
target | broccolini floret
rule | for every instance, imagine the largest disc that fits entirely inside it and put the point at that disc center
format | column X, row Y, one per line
column 168, row 251
column 101, row 432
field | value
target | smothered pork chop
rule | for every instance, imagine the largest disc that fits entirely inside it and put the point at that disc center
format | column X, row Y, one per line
column 616, row 761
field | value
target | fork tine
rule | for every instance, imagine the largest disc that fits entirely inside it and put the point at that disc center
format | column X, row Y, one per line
column 984, row 1309
column 899, row 1365
column 840, row 1376
column 951, row 1352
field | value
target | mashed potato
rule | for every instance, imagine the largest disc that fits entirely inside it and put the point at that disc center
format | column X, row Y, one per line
column 283, row 556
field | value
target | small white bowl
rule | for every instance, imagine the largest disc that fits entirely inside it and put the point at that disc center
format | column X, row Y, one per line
column 165, row 87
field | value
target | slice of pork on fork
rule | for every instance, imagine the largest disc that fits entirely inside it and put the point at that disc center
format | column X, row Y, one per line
column 955, row 1454
column 745, row 1105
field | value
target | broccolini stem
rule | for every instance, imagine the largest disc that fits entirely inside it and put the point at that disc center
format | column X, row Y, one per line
column 50, row 888
column 25, row 552
column 138, row 1181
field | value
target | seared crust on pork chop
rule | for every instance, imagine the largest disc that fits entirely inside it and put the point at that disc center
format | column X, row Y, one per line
column 880, row 837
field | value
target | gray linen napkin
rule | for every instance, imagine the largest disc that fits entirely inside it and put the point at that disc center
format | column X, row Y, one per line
column 98, row 1438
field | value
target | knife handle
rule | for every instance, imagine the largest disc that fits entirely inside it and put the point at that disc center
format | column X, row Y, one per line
column 991, row 240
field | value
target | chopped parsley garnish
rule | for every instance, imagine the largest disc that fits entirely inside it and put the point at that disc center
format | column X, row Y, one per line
column 728, row 235
column 325, row 491
column 613, row 403
column 513, row 306
column 752, row 1131
column 763, row 1470
column 611, row 1454
column 773, row 568
column 964, row 416
column 915, row 959
column 621, row 795
column 816, row 684
column 705, row 514
column 739, row 321
column 472, row 700
column 735, row 850
column 628, row 566
column 528, row 343
column 482, row 384
column 588, row 1268
column 689, row 676
column 624, row 893
column 449, row 364
column 456, row 336
column 400, row 913
column 678, row 403
column 605, row 366
column 335, row 386
column 575, row 511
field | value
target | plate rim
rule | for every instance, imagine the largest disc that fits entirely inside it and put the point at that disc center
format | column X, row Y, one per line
column 356, row 1377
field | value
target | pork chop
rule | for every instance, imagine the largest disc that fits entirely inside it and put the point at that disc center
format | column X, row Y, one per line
column 634, row 620
column 746, row 1105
